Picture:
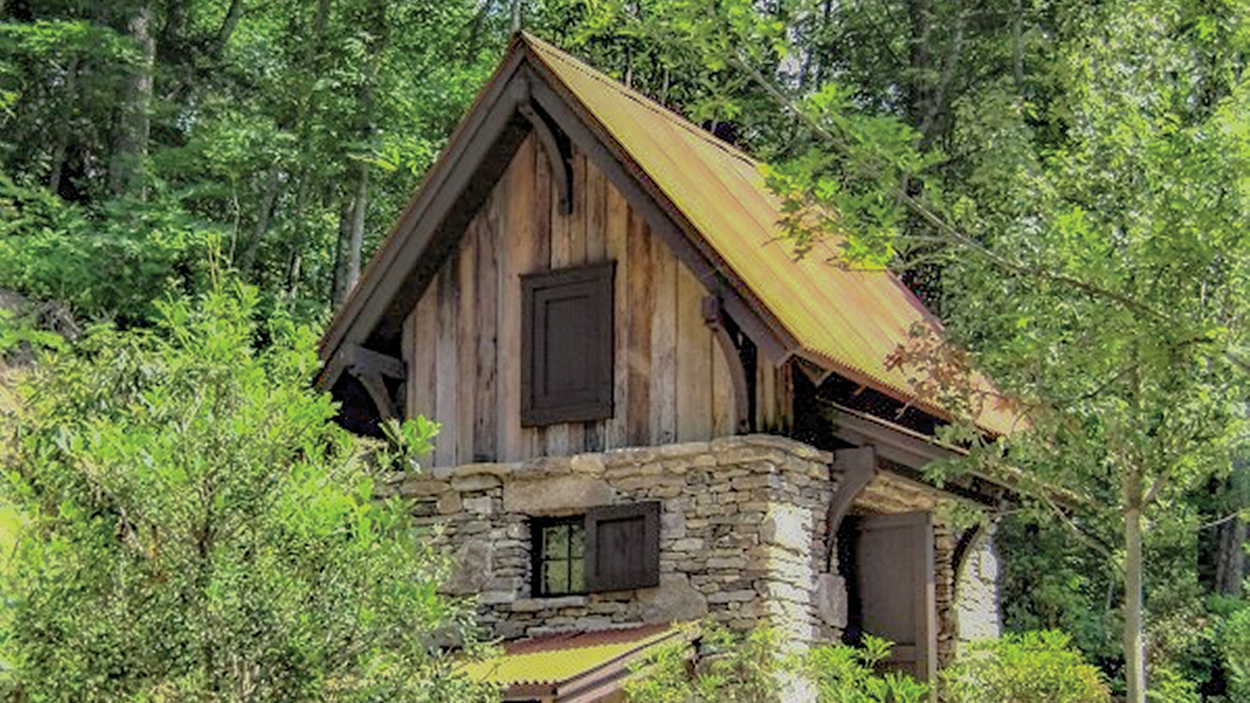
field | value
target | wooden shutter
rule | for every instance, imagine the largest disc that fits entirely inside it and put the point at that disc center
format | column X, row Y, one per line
column 894, row 578
column 566, row 328
column 623, row 547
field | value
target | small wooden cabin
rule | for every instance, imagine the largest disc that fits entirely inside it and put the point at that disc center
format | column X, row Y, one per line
column 584, row 272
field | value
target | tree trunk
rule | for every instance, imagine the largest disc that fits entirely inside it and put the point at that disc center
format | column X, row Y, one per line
column 1134, row 649
column 1230, row 560
column 134, row 126
column 357, row 238
column 262, row 220
column 63, row 126
column 339, row 294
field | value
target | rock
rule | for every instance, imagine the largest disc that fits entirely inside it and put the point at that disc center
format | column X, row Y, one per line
column 831, row 600
column 472, row 568
column 556, row 494
column 483, row 505
column 786, row 526
column 673, row 599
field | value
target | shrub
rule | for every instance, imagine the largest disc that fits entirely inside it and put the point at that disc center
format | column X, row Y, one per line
column 196, row 529
column 1034, row 667
column 1235, row 646
column 729, row 668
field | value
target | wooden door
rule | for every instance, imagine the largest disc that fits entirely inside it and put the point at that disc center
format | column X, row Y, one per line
column 895, row 583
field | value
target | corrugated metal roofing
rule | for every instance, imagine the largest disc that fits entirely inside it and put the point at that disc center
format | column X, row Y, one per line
column 849, row 320
column 558, row 658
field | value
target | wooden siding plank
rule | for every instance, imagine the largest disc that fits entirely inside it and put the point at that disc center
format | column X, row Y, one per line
column 409, row 347
column 722, row 394
column 466, row 344
column 616, row 221
column 574, row 438
column 596, row 214
column 552, row 440
column 549, row 252
column 694, row 361
column 577, row 219
column 445, row 366
column 595, row 433
column 423, row 390
column 518, row 237
column 486, row 405
column 663, row 344
column 638, row 350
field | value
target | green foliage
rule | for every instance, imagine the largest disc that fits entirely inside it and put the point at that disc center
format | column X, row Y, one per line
column 851, row 675
column 1034, row 667
column 198, row 529
column 1234, row 644
column 116, row 263
column 752, row 668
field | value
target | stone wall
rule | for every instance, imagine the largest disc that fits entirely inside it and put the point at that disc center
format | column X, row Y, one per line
column 741, row 533
column 976, row 594
column 742, row 537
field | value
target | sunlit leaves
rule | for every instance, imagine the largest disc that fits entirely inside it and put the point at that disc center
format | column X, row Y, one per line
column 188, row 496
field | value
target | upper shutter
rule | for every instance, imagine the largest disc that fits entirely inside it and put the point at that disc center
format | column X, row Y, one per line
column 566, row 327
column 894, row 574
column 623, row 547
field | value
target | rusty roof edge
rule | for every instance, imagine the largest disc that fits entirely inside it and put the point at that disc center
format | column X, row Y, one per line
column 380, row 263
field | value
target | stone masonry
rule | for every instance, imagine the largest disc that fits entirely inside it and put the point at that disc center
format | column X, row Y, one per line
column 742, row 534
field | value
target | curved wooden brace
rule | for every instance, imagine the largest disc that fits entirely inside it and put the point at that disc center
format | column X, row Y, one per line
column 370, row 367
column 561, row 168
column 713, row 316
column 857, row 467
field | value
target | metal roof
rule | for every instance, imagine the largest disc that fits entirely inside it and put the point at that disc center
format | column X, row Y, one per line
column 556, row 659
column 846, row 320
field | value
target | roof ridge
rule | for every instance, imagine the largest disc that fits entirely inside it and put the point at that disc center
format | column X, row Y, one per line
column 638, row 96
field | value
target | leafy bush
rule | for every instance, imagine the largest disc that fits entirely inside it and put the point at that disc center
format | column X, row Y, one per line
column 114, row 263
column 1034, row 667
column 1235, row 645
column 196, row 529
column 730, row 668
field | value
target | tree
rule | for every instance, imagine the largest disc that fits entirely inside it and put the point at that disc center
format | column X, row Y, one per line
column 1090, row 249
column 198, row 529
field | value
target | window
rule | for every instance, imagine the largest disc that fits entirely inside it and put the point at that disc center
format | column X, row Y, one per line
column 613, row 548
column 561, row 568
column 566, row 327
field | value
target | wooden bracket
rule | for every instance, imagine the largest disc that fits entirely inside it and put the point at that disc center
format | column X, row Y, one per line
column 714, row 316
column 371, row 368
column 558, row 151
column 856, row 468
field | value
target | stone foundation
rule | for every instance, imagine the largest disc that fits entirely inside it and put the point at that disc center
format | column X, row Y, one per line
column 742, row 536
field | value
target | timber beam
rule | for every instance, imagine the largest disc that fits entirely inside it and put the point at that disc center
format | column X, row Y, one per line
column 371, row 368
column 714, row 317
column 855, row 469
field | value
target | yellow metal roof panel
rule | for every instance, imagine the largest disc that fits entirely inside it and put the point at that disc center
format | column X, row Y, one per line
column 544, row 665
column 851, row 319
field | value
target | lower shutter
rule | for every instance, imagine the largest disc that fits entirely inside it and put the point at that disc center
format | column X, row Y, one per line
column 623, row 547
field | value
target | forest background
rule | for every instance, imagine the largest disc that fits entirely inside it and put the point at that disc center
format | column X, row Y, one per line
column 142, row 139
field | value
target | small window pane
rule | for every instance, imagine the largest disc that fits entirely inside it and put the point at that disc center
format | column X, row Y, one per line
column 577, row 576
column 577, row 537
column 555, row 577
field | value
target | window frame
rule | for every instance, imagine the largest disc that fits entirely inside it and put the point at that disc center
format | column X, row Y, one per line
column 596, row 282
column 538, row 527
column 593, row 581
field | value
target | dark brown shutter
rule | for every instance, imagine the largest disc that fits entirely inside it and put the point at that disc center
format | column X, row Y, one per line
column 894, row 574
column 566, row 327
column 623, row 547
